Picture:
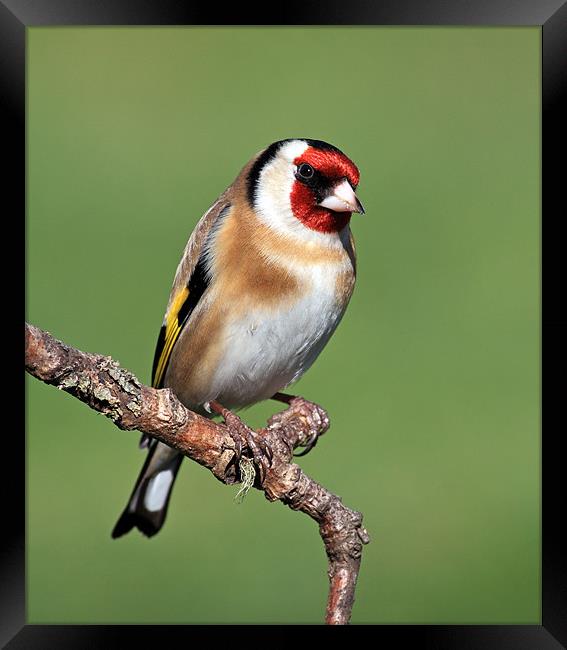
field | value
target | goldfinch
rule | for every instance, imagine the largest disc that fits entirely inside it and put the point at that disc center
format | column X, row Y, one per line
column 263, row 282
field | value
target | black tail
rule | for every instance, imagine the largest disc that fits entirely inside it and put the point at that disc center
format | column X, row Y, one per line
column 148, row 503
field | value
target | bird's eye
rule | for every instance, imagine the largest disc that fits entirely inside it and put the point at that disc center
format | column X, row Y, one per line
column 305, row 171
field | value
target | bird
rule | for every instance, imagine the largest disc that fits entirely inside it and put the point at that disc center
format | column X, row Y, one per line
column 262, row 284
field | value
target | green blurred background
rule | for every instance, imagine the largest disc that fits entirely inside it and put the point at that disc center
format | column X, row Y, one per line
column 431, row 381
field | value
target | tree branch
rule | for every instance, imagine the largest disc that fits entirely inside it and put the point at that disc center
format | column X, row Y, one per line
column 109, row 389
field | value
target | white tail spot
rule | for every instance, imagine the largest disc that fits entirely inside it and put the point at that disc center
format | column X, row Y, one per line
column 157, row 490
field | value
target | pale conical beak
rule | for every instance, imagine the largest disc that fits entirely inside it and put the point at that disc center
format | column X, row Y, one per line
column 342, row 199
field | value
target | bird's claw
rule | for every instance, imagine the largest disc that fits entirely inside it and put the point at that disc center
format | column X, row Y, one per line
column 246, row 438
column 317, row 421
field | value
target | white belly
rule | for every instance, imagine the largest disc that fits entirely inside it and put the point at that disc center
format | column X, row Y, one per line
column 266, row 351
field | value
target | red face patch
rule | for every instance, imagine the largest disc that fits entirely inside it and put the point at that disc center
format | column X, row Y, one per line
column 334, row 166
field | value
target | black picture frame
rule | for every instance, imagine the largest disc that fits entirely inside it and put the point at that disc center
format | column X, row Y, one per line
column 551, row 15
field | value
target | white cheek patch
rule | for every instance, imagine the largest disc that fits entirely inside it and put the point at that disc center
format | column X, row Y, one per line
column 157, row 490
column 274, row 188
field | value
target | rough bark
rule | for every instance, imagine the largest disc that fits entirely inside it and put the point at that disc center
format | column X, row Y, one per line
column 102, row 384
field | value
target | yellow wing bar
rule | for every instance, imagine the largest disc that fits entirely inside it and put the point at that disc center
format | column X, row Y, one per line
column 172, row 329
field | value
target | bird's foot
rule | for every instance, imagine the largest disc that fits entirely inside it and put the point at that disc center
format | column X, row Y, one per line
column 316, row 417
column 245, row 438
